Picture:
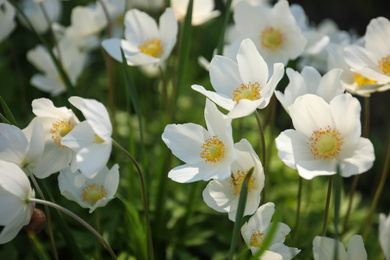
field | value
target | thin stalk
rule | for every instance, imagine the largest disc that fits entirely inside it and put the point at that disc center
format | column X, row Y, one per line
column 366, row 128
column 298, row 210
column 378, row 192
column 225, row 23
column 39, row 246
column 48, row 215
column 264, row 162
column 165, row 94
column 327, row 206
column 150, row 241
column 78, row 219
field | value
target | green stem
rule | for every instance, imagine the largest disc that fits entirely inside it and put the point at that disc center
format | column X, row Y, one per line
column 78, row 219
column 225, row 23
column 296, row 227
column 165, row 95
column 48, row 215
column 263, row 147
column 378, row 192
column 150, row 241
column 327, row 207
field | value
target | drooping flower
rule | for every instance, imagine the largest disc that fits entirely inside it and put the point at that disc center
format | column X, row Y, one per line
column 50, row 80
column 384, row 234
column 89, row 193
column 310, row 81
column 203, row 10
column 324, row 249
column 325, row 135
column 244, row 86
column 56, row 122
column 223, row 195
column 145, row 42
column 7, row 19
column 256, row 230
column 373, row 60
column 90, row 139
column 274, row 31
column 16, row 148
column 207, row 153
column 15, row 189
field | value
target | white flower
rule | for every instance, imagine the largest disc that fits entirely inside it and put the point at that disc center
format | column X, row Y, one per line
column 35, row 15
column 91, row 139
column 255, row 231
column 89, row 193
column 207, row 153
column 145, row 43
column 244, row 86
column 56, row 122
column 16, row 148
column 309, row 81
column 384, row 234
column 50, row 80
column 373, row 60
column 15, row 189
column 7, row 19
column 223, row 195
column 324, row 249
column 87, row 20
column 273, row 30
column 326, row 135
column 203, row 10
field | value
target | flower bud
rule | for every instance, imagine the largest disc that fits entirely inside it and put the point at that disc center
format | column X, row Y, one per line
column 37, row 222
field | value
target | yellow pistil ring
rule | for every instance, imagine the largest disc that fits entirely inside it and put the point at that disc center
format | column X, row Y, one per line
column 59, row 129
column 271, row 38
column 250, row 91
column 325, row 143
column 257, row 239
column 384, row 65
column 93, row 193
column 236, row 182
column 213, row 150
column 152, row 47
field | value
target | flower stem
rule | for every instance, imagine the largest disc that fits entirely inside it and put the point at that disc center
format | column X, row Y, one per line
column 298, row 209
column 263, row 147
column 150, row 241
column 327, row 206
column 78, row 219
column 48, row 216
column 225, row 23
column 378, row 192
column 366, row 128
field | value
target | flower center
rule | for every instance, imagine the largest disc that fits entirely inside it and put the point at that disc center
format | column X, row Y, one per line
column 325, row 144
column 384, row 65
column 152, row 47
column 237, row 179
column 271, row 38
column 59, row 129
column 250, row 91
column 93, row 193
column 360, row 80
column 257, row 239
column 213, row 150
column 97, row 139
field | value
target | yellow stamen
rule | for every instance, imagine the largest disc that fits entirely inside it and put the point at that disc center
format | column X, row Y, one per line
column 257, row 239
column 271, row 38
column 360, row 80
column 59, row 129
column 97, row 139
column 93, row 193
column 237, row 179
column 384, row 65
column 213, row 150
column 152, row 47
column 250, row 91
column 325, row 144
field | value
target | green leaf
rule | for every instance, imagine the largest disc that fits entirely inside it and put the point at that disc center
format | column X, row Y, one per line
column 337, row 186
column 225, row 23
column 10, row 119
column 240, row 212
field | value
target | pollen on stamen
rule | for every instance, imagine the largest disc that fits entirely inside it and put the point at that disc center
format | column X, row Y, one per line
column 384, row 65
column 237, row 179
column 213, row 150
column 361, row 81
column 325, row 143
column 250, row 91
column 271, row 38
column 92, row 193
column 59, row 129
column 257, row 239
column 152, row 47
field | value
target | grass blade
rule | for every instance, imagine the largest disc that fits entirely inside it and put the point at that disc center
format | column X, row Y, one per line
column 9, row 117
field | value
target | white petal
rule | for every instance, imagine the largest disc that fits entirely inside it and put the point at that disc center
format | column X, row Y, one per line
column 112, row 180
column 330, row 85
column 285, row 251
column 93, row 158
column 316, row 167
column 81, row 136
column 377, row 35
column 218, row 195
column 323, row 249
column 139, row 27
column 168, row 31
column 220, row 99
column 244, row 108
column 261, row 219
column 224, row 75
column 185, row 174
column 36, row 145
column 13, row 144
column 356, row 250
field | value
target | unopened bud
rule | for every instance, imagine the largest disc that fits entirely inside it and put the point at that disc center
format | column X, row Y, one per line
column 37, row 222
